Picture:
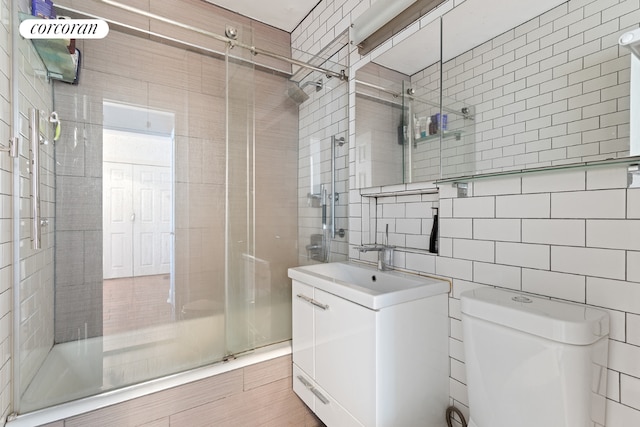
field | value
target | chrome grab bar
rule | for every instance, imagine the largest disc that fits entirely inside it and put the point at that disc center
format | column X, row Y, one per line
column 34, row 172
column 334, row 194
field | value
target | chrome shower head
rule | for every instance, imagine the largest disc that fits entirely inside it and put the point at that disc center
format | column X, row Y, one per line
column 298, row 95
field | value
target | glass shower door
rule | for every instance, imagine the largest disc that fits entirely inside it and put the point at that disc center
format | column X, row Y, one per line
column 240, row 258
column 261, row 214
column 172, row 216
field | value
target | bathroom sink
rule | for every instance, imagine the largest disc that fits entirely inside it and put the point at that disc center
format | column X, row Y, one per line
column 367, row 286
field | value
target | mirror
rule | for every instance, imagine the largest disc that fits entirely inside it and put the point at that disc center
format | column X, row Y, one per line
column 397, row 103
column 527, row 85
column 380, row 117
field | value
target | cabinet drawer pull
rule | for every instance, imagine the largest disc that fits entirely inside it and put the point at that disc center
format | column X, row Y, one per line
column 304, row 382
column 312, row 389
column 320, row 397
column 312, row 301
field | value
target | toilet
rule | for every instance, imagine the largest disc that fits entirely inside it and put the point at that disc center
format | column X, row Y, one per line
column 533, row 362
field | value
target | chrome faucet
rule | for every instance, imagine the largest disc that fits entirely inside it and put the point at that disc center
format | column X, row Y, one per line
column 385, row 252
column 385, row 255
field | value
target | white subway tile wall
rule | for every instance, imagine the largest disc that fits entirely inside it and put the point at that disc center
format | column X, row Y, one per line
column 6, row 240
column 552, row 91
column 520, row 206
column 580, row 258
column 554, row 231
column 323, row 115
column 569, row 287
column 36, row 291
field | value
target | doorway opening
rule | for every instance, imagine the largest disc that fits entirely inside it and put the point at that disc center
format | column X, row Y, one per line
column 138, row 218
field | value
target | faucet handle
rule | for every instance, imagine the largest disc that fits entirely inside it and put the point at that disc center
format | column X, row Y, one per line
column 385, row 258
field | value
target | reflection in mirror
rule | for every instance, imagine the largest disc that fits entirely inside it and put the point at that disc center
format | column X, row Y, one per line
column 397, row 96
column 422, row 157
column 380, row 126
column 631, row 41
column 551, row 88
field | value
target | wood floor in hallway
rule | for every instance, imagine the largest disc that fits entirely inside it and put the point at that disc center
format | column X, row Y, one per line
column 133, row 303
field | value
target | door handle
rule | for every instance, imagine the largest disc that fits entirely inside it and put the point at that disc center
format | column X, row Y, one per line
column 312, row 301
column 313, row 390
column 320, row 396
column 304, row 382
column 133, row 217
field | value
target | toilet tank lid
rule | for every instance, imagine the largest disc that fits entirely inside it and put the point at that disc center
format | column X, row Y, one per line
column 564, row 322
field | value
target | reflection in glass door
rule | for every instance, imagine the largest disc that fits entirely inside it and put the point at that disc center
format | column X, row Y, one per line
column 138, row 163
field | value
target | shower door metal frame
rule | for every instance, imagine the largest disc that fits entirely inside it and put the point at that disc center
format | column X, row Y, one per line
column 342, row 75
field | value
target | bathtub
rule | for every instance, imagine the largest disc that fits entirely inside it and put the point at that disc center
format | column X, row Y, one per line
column 86, row 375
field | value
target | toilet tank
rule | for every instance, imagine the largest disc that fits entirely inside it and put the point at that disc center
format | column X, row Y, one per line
column 533, row 362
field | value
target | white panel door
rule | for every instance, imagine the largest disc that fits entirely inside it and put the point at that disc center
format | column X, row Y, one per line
column 137, row 220
column 117, row 213
column 152, row 225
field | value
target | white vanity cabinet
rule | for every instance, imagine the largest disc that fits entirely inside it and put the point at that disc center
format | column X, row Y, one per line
column 358, row 366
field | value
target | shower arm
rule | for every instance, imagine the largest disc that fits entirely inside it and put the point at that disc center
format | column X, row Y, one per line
column 318, row 85
column 254, row 50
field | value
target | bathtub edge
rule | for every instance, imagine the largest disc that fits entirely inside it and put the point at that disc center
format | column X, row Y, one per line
column 92, row 403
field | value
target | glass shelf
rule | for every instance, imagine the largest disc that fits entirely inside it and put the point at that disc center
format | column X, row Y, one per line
column 60, row 64
column 632, row 160
column 431, row 187
column 446, row 134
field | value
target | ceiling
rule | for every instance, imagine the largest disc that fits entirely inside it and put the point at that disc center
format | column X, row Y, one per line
column 283, row 14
